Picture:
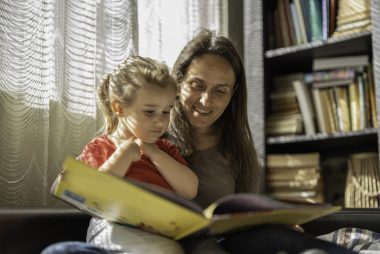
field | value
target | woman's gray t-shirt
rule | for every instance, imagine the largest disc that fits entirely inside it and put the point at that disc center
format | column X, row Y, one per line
column 215, row 176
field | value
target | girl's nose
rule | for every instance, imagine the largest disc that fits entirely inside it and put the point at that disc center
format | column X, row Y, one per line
column 159, row 122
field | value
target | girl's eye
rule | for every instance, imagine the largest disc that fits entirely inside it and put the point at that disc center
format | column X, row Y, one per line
column 149, row 112
column 166, row 112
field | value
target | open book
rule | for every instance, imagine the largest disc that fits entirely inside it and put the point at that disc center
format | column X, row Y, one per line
column 157, row 210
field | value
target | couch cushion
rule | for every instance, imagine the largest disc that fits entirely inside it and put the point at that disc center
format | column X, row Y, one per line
column 29, row 230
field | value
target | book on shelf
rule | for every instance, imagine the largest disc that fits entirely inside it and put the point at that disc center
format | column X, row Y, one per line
column 292, row 175
column 146, row 206
column 353, row 16
column 321, row 112
column 353, row 94
column 301, row 21
column 344, row 98
column 302, row 184
column 306, row 106
column 333, row 9
column 314, row 8
column 372, row 96
column 296, row 22
column 284, row 117
column 363, row 181
column 342, row 108
column 303, row 160
column 328, row 63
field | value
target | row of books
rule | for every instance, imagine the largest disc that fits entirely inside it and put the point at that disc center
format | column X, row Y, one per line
column 338, row 96
column 295, row 22
column 363, row 181
column 295, row 177
column 285, row 115
column 298, row 178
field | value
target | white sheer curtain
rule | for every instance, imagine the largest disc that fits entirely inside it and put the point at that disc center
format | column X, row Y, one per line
column 52, row 54
column 166, row 25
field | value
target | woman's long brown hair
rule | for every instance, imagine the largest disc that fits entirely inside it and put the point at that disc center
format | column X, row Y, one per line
column 236, row 142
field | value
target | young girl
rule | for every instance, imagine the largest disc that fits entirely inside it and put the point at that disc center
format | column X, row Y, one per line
column 136, row 100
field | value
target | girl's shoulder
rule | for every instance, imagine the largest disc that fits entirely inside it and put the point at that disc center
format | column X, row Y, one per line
column 171, row 149
column 101, row 141
column 165, row 144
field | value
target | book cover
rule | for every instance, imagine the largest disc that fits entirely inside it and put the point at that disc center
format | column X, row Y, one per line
column 306, row 106
column 319, row 111
column 301, row 20
column 339, row 62
column 343, row 108
column 315, row 17
column 163, row 212
column 302, row 160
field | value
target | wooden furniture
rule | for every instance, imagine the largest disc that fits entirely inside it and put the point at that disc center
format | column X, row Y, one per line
column 263, row 63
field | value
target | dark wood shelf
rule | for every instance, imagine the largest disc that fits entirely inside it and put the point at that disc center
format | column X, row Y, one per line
column 358, row 141
column 363, row 39
column 299, row 58
column 320, row 136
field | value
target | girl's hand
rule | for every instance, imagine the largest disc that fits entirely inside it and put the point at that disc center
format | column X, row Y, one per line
column 129, row 149
column 119, row 162
column 148, row 149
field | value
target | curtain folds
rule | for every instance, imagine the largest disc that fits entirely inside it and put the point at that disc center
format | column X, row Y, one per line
column 52, row 54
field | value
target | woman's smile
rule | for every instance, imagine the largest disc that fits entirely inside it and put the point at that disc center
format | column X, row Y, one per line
column 202, row 111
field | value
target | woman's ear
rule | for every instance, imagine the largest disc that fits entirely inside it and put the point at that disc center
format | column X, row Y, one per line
column 117, row 108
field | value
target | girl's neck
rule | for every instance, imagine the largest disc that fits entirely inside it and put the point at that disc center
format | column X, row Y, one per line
column 119, row 137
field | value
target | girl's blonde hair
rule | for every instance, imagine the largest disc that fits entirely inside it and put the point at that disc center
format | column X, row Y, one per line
column 122, row 83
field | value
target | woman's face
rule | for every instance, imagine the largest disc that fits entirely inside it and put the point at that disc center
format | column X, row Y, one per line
column 206, row 90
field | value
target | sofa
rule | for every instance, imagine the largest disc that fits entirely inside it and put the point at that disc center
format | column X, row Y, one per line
column 29, row 230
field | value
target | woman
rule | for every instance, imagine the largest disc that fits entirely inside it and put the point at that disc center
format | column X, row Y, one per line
column 209, row 124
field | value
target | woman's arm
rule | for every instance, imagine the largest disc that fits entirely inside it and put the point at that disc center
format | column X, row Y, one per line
column 180, row 177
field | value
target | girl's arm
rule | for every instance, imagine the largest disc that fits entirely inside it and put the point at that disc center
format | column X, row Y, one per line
column 119, row 162
column 180, row 177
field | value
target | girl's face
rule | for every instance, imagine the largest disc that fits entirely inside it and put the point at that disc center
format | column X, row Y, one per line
column 207, row 90
column 147, row 116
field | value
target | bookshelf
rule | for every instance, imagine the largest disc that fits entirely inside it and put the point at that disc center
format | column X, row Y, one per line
column 263, row 62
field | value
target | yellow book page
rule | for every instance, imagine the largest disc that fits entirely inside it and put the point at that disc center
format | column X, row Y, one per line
column 118, row 200
column 293, row 216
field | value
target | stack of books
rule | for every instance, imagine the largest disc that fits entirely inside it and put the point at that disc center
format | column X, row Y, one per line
column 363, row 181
column 295, row 177
column 295, row 22
column 344, row 93
column 337, row 97
column 285, row 116
column 353, row 16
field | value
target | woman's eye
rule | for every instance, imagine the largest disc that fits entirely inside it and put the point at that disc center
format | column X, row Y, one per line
column 197, row 85
column 222, row 91
column 166, row 112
